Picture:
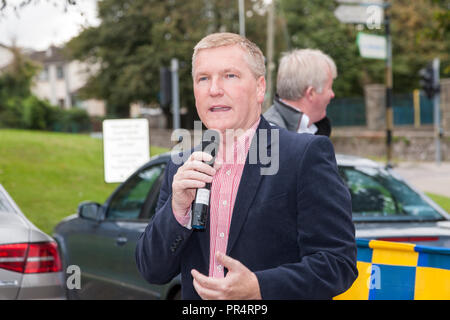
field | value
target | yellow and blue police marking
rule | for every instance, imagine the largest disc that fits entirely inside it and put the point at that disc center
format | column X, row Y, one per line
column 400, row 271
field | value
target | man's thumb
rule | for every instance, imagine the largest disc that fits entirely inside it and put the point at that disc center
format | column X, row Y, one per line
column 227, row 261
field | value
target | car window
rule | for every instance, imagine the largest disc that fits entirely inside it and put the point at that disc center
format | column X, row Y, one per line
column 378, row 195
column 127, row 203
column 5, row 205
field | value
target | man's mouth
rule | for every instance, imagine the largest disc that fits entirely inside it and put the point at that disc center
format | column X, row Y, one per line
column 219, row 108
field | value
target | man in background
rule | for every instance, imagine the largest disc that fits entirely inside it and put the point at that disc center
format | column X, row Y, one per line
column 304, row 90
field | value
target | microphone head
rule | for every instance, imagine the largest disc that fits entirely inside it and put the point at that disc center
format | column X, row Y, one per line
column 211, row 142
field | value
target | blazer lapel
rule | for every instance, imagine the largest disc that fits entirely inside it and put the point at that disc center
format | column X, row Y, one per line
column 250, row 180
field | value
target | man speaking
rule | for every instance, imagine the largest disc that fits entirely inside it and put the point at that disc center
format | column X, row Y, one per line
column 283, row 235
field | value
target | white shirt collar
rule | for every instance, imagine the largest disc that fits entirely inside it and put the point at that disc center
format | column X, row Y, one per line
column 303, row 128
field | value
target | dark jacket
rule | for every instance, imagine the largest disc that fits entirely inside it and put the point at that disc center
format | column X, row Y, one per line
column 293, row 229
column 287, row 117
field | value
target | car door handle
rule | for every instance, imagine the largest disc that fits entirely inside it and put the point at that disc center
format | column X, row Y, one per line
column 120, row 241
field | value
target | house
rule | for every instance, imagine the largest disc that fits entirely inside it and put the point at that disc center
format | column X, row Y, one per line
column 60, row 79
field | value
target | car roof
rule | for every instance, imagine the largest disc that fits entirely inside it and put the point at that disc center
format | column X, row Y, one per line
column 341, row 159
column 354, row 161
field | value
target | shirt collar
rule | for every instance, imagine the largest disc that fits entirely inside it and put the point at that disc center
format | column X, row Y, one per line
column 237, row 152
column 303, row 127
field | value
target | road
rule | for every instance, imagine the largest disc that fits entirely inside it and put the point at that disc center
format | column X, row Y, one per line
column 427, row 176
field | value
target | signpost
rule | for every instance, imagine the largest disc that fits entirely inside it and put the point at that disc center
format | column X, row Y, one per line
column 436, row 109
column 372, row 13
column 126, row 147
column 371, row 46
column 368, row 12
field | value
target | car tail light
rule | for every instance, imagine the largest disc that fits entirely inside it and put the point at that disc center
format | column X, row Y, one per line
column 30, row 257
column 410, row 239
column 12, row 256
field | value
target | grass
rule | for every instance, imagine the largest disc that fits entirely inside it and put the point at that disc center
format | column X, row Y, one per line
column 48, row 174
column 442, row 201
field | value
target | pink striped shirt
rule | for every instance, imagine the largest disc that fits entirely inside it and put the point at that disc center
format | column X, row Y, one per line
column 224, row 188
column 223, row 195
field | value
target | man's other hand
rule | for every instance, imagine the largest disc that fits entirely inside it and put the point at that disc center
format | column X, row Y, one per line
column 239, row 284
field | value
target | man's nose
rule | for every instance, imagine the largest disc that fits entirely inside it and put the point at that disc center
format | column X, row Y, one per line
column 216, row 87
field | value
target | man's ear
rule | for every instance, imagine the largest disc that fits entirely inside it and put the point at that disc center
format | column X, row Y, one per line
column 260, row 89
column 310, row 92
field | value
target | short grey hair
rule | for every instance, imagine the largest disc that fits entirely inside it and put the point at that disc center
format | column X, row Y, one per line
column 303, row 68
column 254, row 55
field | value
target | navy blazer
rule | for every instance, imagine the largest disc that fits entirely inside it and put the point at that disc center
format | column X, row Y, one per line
column 293, row 229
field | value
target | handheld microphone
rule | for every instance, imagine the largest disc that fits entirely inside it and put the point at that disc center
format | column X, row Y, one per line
column 200, row 205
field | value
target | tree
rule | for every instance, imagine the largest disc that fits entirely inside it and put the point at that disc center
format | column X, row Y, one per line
column 16, row 78
column 17, row 5
column 18, row 107
column 416, row 40
column 135, row 38
column 15, row 84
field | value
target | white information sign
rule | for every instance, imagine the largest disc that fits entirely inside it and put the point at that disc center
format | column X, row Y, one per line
column 126, row 147
column 371, row 46
column 372, row 16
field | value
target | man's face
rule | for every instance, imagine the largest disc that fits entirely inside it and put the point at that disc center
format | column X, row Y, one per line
column 322, row 99
column 227, row 94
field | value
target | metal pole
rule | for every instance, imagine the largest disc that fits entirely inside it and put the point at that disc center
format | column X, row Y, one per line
column 175, row 94
column 241, row 18
column 416, row 101
column 270, row 64
column 389, row 84
column 437, row 110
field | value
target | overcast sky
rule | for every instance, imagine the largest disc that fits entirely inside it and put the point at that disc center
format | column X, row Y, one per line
column 40, row 25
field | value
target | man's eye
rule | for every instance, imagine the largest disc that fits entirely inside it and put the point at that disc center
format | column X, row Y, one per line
column 202, row 78
column 231, row 75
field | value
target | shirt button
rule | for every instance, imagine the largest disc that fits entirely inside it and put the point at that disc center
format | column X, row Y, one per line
column 220, row 268
column 228, row 172
column 222, row 235
column 224, row 202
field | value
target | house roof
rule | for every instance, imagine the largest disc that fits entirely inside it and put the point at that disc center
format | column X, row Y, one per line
column 51, row 55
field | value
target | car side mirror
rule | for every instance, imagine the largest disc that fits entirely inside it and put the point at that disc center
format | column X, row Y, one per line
column 90, row 210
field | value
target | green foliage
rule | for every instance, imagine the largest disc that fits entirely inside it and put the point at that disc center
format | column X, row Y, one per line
column 15, row 83
column 11, row 112
column 15, row 80
column 36, row 113
column 415, row 29
column 137, row 37
column 72, row 120
column 19, row 108
column 33, row 113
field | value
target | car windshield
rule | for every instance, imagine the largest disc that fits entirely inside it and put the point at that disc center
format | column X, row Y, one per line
column 377, row 195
